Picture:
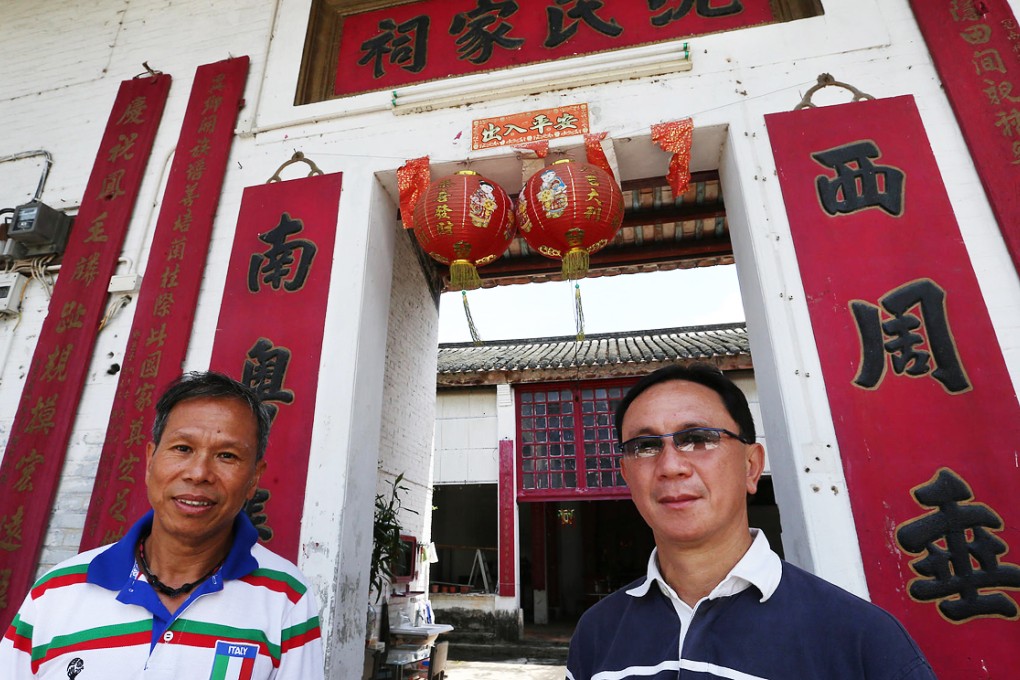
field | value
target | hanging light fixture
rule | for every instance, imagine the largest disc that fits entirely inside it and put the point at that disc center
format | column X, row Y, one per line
column 464, row 221
column 567, row 211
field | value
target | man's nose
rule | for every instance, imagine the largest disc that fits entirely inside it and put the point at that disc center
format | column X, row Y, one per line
column 672, row 460
column 199, row 466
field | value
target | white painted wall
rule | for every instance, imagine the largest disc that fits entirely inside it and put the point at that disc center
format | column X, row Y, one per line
column 60, row 71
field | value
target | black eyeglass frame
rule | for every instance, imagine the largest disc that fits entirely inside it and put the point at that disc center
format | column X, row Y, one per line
column 622, row 447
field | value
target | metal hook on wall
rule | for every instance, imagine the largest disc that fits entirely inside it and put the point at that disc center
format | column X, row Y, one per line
column 298, row 157
column 825, row 80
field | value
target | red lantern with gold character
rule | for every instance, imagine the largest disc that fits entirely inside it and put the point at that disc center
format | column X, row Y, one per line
column 569, row 210
column 464, row 221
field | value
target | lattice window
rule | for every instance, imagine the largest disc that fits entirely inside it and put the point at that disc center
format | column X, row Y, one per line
column 566, row 441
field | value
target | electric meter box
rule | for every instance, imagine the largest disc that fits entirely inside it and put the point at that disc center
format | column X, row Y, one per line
column 37, row 224
column 12, row 285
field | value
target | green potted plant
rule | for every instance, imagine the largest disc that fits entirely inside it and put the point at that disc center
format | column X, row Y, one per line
column 387, row 547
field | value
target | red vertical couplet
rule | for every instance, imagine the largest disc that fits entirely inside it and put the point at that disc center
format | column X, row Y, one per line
column 269, row 333
column 975, row 47
column 507, row 502
column 923, row 407
column 35, row 453
column 162, row 324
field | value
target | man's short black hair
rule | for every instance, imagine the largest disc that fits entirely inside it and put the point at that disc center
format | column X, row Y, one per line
column 209, row 384
column 703, row 374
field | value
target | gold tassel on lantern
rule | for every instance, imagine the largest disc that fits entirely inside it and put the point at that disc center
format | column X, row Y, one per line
column 463, row 273
column 575, row 260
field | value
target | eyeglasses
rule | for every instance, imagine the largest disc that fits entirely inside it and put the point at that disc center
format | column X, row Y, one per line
column 691, row 439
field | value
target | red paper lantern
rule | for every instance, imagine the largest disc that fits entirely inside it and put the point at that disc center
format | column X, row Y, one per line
column 569, row 210
column 464, row 221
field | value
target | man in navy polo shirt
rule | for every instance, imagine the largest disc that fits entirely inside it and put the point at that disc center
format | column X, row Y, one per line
column 717, row 602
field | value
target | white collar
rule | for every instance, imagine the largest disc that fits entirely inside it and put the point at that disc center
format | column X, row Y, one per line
column 759, row 567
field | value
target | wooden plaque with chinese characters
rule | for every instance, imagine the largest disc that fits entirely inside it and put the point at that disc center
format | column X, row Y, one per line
column 269, row 333
column 161, row 329
column 975, row 46
column 34, row 458
column 923, row 408
column 426, row 40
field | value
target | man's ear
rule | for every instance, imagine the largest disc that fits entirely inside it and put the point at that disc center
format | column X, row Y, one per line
column 150, row 449
column 755, row 466
column 253, row 483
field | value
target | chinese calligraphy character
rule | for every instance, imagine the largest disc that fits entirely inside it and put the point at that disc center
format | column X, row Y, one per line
column 170, row 276
column 978, row 34
column 482, row 28
column 119, row 504
column 111, row 186
column 113, row 535
column 195, row 170
column 276, row 265
column 211, row 103
column 190, row 194
column 859, row 183
column 264, row 371
column 87, row 268
column 10, row 530
column 491, row 133
column 176, row 251
column 183, row 221
column 133, row 112
column 143, row 396
column 150, row 365
column 540, row 123
column 136, row 435
column 567, row 121
column 201, row 147
column 43, row 412
column 703, row 8
column 256, row 511
column 157, row 336
column 997, row 93
column 163, row 304
column 406, row 45
column 123, row 147
column 988, row 60
column 583, row 10
column 56, row 364
column 5, row 586
column 1009, row 122
column 903, row 343
column 71, row 316
column 963, row 10
column 207, row 126
column 97, row 230
column 960, row 574
column 27, row 464
column 126, row 467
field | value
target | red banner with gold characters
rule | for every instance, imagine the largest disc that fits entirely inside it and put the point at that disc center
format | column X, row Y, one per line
column 924, row 410
column 975, row 46
column 158, row 342
column 412, row 42
column 35, row 452
column 269, row 334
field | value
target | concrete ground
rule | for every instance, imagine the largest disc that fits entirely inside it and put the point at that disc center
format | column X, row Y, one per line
column 516, row 669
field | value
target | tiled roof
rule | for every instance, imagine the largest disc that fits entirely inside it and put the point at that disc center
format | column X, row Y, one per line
column 608, row 350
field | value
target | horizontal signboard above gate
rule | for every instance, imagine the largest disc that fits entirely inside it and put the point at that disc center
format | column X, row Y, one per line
column 434, row 39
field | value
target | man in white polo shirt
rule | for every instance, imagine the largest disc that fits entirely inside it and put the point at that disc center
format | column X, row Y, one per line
column 717, row 602
column 188, row 592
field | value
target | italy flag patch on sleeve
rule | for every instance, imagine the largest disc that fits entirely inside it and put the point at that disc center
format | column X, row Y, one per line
column 233, row 661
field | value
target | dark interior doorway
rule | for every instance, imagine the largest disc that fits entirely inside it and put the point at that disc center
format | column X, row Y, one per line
column 575, row 553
